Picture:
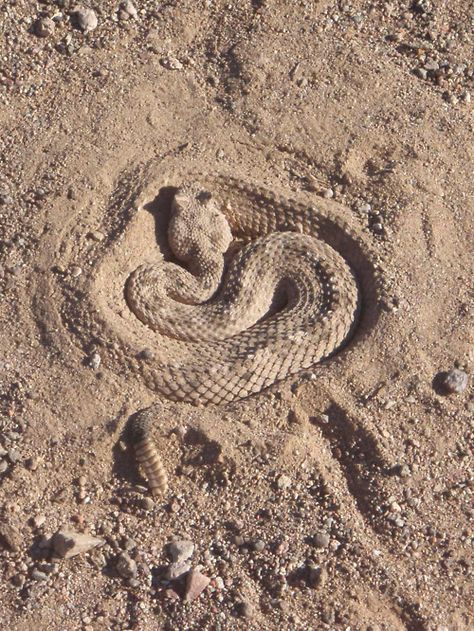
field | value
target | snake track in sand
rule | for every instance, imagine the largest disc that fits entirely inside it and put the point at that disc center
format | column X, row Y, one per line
column 220, row 326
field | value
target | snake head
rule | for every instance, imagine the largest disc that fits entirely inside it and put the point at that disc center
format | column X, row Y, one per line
column 197, row 224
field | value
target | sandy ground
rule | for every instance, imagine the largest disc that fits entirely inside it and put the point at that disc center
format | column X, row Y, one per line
column 338, row 499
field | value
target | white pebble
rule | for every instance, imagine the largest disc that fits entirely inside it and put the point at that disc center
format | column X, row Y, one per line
column 86, row 18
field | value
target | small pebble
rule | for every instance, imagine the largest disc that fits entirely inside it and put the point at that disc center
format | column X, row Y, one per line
column 181, row 550
column 284, row 482
column 44, row 27
column 39, row 520
column 37, row 575
column 5, row 198
column 86, row 18
column 454, row 381
column 10, row 536
column 328, row 193
column 321, row 539
column 94, row 361
column 177, row 570
column 18, row 580
column 127, row 10
column 67, row 543
column 404, row 471
column 96, row 235
column 126, row 566
column 421, row 73
column 75, row 271
column 147, row 354
column 196, row 583
column 147, row 503
column 258, row 545
column 32, row 463
column 171, row 63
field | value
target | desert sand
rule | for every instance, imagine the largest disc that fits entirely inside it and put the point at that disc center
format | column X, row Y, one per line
column 341, row 497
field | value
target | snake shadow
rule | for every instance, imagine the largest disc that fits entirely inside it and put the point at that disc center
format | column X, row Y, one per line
column 357, row 452
column 124, row 461
column 160, row 209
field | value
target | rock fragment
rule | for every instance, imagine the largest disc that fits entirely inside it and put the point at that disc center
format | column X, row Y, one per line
column 258, row 545
column 171, row 63
column 38, row 575
column 86, row 18
column 196, row 583
column 284, row 482
column 44, row 27
column 126, row 566
column 94, row 361
column 181, row 550
column 321, row 539
column 127, row 10
column 67, row 543
column 5, row 198
column 176, row 571
column 10, row 537
column 453, row 381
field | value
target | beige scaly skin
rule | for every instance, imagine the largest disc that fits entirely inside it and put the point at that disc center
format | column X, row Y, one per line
column 286, row 301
